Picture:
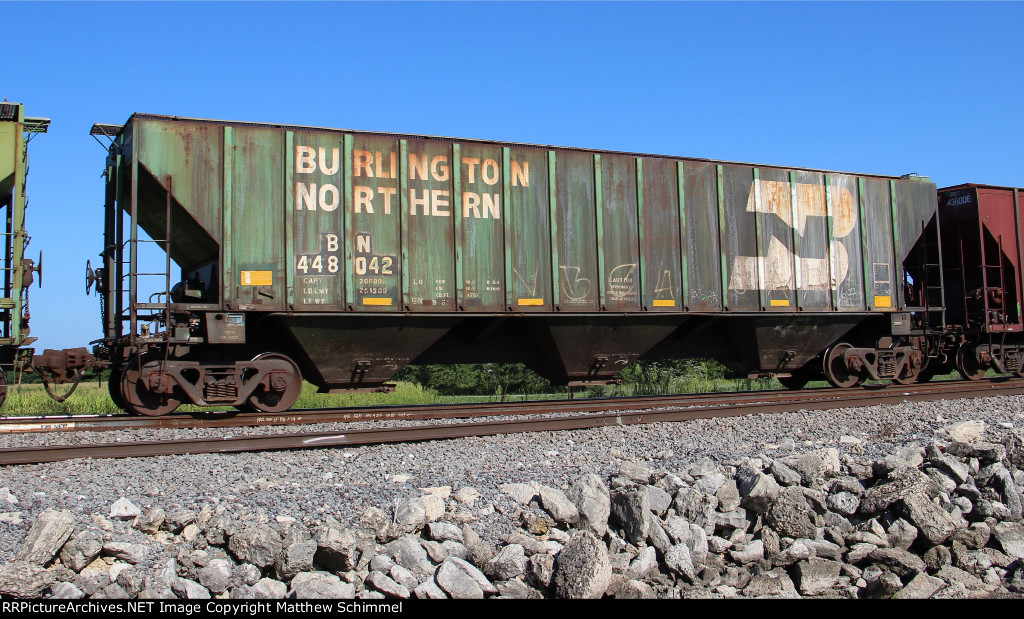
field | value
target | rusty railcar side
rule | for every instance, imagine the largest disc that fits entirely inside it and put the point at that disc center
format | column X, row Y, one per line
column 982, row 254
column 355, row 253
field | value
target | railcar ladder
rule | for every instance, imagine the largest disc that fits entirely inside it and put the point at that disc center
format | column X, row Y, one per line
column 931, row 285
column 154, row 304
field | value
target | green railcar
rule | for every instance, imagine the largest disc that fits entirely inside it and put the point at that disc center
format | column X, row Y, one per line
column 340, row 256
column 16, row 131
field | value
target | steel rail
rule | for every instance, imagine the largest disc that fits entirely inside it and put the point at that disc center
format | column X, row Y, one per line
column 234, row 444
column 223, row 419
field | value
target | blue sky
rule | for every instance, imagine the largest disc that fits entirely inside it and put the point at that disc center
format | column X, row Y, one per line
column 884, row 88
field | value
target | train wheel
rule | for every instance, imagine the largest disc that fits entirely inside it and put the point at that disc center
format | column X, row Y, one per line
column 836, row 370
column 114, row 388
column 967, row 362
column 286, row 388
column 909, row 375
column 138, row 398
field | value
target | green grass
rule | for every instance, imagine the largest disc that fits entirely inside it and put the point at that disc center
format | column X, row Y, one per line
column 92, row 398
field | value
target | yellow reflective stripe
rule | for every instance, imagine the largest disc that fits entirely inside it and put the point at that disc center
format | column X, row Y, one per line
column 257, row 278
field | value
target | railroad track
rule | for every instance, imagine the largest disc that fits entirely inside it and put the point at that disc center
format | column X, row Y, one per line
column 230, row 419
column 533, row 417
column 233, row 418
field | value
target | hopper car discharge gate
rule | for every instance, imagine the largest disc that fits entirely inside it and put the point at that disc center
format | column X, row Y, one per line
column 339, row 257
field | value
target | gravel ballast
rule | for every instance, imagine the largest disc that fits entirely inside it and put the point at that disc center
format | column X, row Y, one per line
column 799, row 509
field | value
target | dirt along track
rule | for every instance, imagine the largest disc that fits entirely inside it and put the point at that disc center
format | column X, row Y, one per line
column 506, row 418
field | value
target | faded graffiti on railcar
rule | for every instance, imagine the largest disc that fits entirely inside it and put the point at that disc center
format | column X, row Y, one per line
column 778, row 268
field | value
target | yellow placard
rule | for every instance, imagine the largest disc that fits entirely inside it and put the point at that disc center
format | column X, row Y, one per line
column 779, row 302
column 664, row 303
column 376, row 300
column 883, row 301
column 531, row 301
column 257, row 278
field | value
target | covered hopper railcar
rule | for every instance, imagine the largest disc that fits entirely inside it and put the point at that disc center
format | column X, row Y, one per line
column 340, row 256
column 17, row 271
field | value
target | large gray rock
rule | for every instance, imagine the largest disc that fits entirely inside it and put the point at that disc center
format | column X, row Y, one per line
column 1002, row 481
column 81, row 549
column 341, row 550
column 629, row 509
column 935, row 523
column 816, row 576
column 709, row 484
column 775, row 583
column 734, row 520
column 520, row 493
column 878, row 498
column 790, row 515
column 190, row 590
column 757, row 490
column 46, row 537
column 404, row 577
column 518, row 590
column 428, row 590
column 124, row 509
column 635, row 590
column 697, row 508
column 1010, row 537
column 388, row 586
column 728, row 496
column 216, row 576
column 752, row 552
column 444, row 531
column 295, row 558
column 658, row 501
column 920, row 587
column 541, row 570
column 843, row 503
column 151, row 522
column 320, row 586
column 410, row 554
column 901, row 562
column 507, row 564
column 635, row 472
column 902, row 534
column 268, row 589
column 799, row 550
column 679, row 560
column 460, row 580
column 957, row 470
column 644, row 563
column 21, row 579
column 127, row 551
column 656, row 535
column 257, row 544
column 785, row 475
column 66, row 591
column 593, row 502
column 412, row 514
column 583, row 570
column 558, row 505
column 698, row 545
column 815, row 466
